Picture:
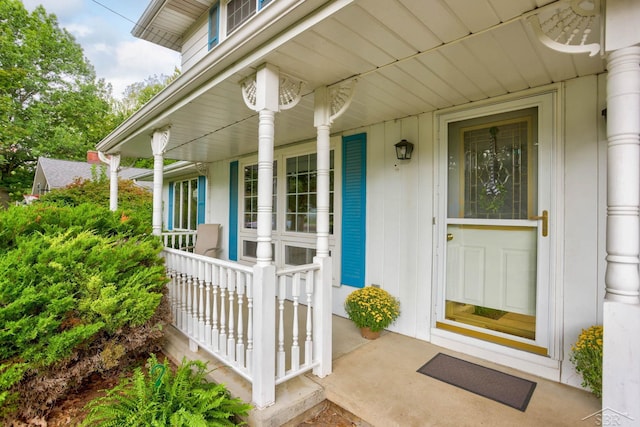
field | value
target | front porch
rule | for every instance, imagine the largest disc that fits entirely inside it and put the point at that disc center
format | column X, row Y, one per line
column 377, row 381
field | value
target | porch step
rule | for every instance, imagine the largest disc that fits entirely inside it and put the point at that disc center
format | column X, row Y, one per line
column 293, row 398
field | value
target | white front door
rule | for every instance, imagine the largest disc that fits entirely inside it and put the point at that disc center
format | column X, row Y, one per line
column 496, row 211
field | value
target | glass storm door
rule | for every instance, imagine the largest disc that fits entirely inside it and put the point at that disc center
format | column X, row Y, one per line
column 496, row 258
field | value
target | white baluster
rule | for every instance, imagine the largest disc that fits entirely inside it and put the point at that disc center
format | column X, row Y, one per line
column 215, row 332
column 295, row 348
column 184, row 285
column 190, row 284
column 200, row 335
column 231, row 341
column 249, row 323
column 308, row 344
column 240, row 341
column 223, row 311
column 207, row 318
column 280, row 361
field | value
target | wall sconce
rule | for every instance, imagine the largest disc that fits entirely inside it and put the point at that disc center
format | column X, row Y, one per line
column 404, row 149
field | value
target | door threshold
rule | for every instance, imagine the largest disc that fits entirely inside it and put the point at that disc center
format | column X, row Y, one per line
column 519, row 345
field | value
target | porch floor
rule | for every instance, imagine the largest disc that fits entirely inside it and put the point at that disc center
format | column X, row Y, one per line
column 377, row 381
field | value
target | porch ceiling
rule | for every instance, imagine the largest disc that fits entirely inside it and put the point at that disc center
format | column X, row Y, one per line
column 409, row 57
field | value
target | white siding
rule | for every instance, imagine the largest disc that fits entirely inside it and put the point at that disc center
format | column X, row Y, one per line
column 400, row 208
column 399, row 221
column 218, row 201
column 196, row 42
column 585, row 205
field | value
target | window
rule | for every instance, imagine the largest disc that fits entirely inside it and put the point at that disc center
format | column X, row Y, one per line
column 493, row 165
column 214, row 25
column 251, row 196
column 302, row 190
column 186, row 203
column 226, row 16
column 295, row 194
column 238, row 11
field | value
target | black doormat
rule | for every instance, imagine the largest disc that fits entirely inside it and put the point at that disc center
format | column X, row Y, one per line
column 504, row 388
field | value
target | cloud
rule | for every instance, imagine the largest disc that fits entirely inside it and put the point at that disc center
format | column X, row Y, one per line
column 62, row 9
column 136, row 60
column 79, row 30
column 105, row 37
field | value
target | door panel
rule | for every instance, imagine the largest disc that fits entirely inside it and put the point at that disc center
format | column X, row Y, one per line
column 496, row 257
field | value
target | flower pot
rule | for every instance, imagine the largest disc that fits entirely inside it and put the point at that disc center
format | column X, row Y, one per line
column 369, row 334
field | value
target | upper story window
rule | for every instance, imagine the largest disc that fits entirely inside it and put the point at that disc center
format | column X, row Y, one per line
column 239, row 11
column 226, row 16
column 214, row 25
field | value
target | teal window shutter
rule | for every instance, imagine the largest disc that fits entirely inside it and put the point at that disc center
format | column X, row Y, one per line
column 170, row 207
column 354, row 204
column 202, row 197
column 233, row 211
column 214, row 25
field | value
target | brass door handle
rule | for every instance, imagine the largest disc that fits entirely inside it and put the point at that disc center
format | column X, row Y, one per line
column 449, row 237
column 545, row 222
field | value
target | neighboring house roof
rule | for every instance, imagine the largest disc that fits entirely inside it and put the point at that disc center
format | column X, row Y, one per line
column 55, row 173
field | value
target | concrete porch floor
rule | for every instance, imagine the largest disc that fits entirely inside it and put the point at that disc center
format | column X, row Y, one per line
column 377, row 381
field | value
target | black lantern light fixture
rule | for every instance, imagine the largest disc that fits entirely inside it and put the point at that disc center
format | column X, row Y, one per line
column 404, row 149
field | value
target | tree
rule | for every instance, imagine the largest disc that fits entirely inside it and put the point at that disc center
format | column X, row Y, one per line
column 45, row 81
column 139, row 93
column 135, row 96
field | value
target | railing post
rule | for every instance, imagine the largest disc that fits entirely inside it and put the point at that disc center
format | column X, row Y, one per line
column 264, row 327
column 322, row 316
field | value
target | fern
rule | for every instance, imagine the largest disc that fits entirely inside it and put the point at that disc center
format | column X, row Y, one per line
column 183, row 398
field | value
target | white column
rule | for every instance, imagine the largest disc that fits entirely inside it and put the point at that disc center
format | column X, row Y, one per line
column 263, row 390
column 113, row 160
column 329, row 104
column 267, row 101
column 262, row 95
column 322, row 122
column 621, row 314
column 159, row 141
column 623, row 175
column 322, row 321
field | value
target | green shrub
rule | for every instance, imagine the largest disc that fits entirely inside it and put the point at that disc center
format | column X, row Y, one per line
column 74, row 280
column 158, row 397
column 131, row 198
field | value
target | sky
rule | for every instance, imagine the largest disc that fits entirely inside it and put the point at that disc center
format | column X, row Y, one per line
column 105, row 36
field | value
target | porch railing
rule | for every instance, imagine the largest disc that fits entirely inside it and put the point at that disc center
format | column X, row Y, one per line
column 179, row 239
column 214, row 303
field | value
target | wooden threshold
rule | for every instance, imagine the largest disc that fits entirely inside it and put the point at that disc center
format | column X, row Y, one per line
column 492, row 338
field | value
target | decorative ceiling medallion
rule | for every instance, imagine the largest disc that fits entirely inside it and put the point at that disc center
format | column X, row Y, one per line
column 571, row 26
column 289, row 93
column 340, row 97
column 202, row 168
column 249, row 89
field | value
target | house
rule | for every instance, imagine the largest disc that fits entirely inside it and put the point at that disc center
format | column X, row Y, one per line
column 55, row 173
column 479, row 160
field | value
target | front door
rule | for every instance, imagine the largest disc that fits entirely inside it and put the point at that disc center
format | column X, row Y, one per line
column 496, row 235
